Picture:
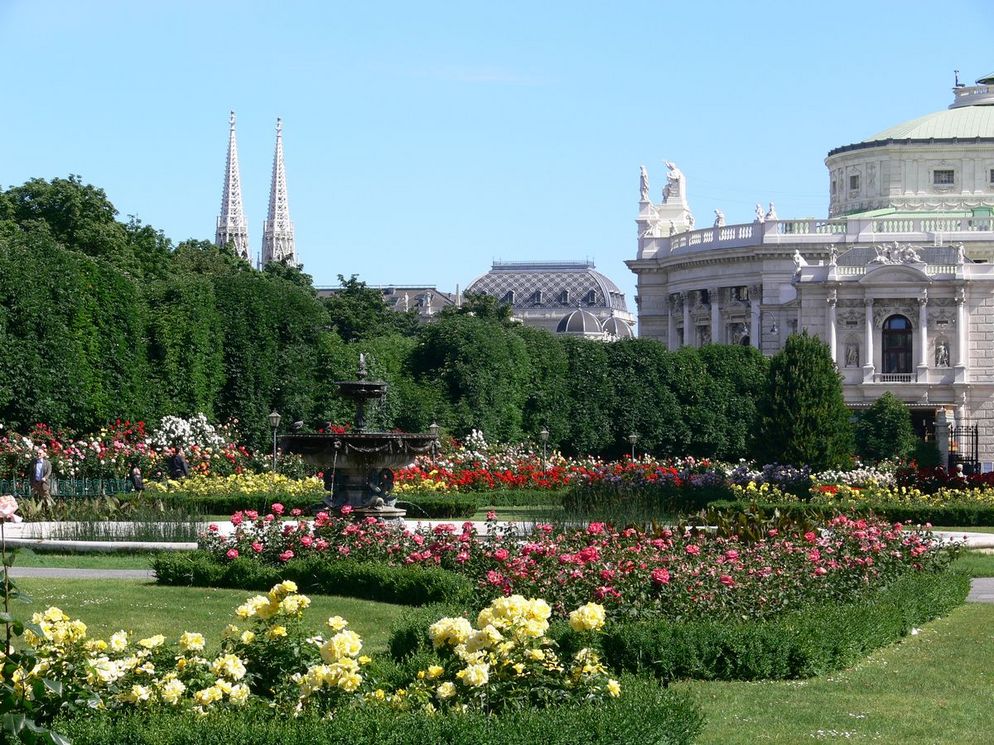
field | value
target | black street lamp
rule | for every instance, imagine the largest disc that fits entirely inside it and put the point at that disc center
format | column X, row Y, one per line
column 274, row 422
column 544, row 437
column 632, row 439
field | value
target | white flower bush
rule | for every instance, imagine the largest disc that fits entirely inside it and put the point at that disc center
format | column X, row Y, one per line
column 175, row 431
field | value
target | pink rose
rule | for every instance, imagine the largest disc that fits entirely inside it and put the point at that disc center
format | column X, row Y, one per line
column 296, row 512
column 277, row 508
column 726, row 580
column 286, row 555
column 501, row 554
column 661, row 576
column 236, row 519
column 257, row 547
column 232, row 553
column 347, row 509
column 212, row 527
column 306, row 541
column 693, row 549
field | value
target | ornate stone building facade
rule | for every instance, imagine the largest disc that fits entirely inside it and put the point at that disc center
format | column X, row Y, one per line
column 898, row 280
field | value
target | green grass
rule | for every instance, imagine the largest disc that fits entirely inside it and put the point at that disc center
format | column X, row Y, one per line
column 971, row 529
column 25, row 557
column 521, row 513
column 975, row 563
column 108, row 605
column 930, row 688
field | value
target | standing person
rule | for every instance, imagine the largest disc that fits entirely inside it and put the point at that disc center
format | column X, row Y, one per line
column 135, row 477
column 40, row 474
column 179, row 468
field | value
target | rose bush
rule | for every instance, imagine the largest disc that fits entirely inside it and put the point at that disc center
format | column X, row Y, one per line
column 635, row 572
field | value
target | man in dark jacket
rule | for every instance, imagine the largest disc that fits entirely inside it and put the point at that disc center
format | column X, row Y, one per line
column 178, row 466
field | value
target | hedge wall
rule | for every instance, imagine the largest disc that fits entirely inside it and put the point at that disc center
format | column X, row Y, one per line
column 408, row 585
column 809, row 642
column 645, row 713
column 951, row 515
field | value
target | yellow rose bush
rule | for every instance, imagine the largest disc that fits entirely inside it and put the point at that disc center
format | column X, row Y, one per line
column 505, row 661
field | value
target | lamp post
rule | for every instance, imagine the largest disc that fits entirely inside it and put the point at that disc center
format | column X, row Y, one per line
column 632, row 439
column 274, row 422
column 544, row 437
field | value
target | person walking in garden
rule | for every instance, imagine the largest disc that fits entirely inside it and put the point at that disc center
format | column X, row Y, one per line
column 40, row 474
column 179, row 468
column 135, row 477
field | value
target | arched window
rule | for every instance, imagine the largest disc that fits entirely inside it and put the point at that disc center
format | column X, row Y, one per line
column 896, row 346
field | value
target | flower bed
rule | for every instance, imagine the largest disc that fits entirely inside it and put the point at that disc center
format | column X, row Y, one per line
column 640, row 573
column 505, row 663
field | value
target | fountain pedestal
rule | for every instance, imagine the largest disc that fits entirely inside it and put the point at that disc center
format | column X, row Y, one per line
column 358, row 466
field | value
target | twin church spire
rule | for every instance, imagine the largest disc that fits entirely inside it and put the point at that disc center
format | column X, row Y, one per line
column 277, row 239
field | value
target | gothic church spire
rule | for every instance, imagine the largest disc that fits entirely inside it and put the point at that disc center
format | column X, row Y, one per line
column 277, row 240
column 231, row 225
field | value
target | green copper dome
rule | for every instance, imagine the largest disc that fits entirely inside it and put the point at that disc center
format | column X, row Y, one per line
column 966, row 122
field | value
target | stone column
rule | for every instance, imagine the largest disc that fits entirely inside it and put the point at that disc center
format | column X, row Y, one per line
column 923, row 336
column 756, row 321
column 833, row 345
column 942, row 424
column 868, row 342
column 688, row 330
column 962, row 337
column 715, row 316
column 671, row 324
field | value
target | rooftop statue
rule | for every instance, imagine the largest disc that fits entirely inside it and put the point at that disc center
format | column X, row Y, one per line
column 674, row 183
column 772, row 213
column 719, row 219
column 760, row 215
column 644, row 184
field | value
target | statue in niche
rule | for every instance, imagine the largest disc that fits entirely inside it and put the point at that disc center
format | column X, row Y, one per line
column 644, row 183
column 705, row 335
column 852, row 355
column 942, row 354
column 960, row 254
column 719, row 219
column 771, row 214
column 674, row 182
column 672, row 227
column 760, row 215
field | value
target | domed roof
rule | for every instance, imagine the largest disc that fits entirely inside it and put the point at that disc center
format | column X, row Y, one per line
column 966, row 122
column 970, row 118
column 618, row 328
column 549, row 284
column 579, row 322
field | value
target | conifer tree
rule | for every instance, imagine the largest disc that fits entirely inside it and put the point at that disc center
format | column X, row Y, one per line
column 884, row 430
column 803, row 416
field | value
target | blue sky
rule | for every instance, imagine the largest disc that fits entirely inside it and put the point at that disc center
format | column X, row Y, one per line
column 424, row 140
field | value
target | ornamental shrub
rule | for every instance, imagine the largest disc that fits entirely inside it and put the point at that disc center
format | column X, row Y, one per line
column 405, row 585
column 646, row 713
column 803, row 416
column 801, row 644
column 884, row 430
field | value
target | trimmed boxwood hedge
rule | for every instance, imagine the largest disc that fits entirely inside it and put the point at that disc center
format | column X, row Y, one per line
column 406, row 585
column 645, row 713
column 949, row 515
column 809, row 642
column 655, row 498
column 427, row 506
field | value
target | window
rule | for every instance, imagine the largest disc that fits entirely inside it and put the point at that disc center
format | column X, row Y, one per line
column 564, row 297
column 854, row 182
column 896, row 346
column 992, row 175
column 591, row 297
column 945, row 177
column 833, row 187
column 508, row 297
column 537, row 297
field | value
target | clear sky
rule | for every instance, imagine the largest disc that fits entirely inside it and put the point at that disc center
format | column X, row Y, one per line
column 424, row 140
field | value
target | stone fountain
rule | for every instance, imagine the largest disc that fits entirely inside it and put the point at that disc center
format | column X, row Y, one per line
column 359, row 465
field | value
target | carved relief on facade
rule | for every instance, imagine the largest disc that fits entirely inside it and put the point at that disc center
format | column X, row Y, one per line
column 941, row 314
column 736, row 332
column 676, row 300
column 703, row 335
column 884, row 309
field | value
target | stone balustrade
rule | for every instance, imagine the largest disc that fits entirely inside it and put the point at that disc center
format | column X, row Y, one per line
column 824, row 232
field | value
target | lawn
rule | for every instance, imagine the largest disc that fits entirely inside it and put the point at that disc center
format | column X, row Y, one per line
column 930, row 688
column 108, row 605
column 91, row 560
column 975, row 563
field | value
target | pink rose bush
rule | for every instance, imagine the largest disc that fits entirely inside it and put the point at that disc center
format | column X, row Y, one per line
column 635, row 572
